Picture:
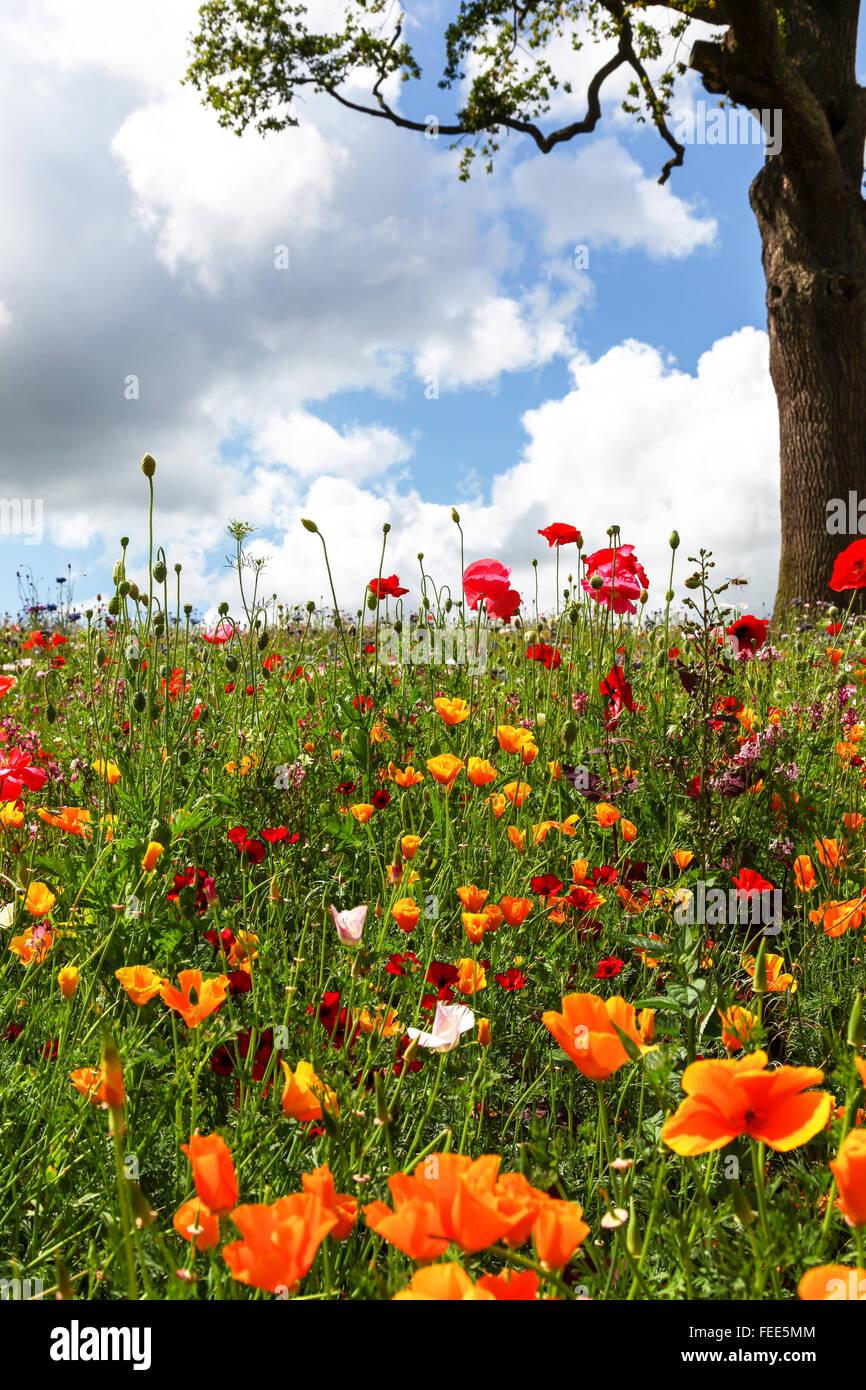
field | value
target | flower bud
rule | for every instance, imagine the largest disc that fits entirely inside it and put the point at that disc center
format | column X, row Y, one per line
column 674, row 540
column 742, row 1208
column 455, row 516
column 309, row 525
column 148, row 465
column 386, row 527
column 759, row 983
column 160, row 573
column 855, row 1023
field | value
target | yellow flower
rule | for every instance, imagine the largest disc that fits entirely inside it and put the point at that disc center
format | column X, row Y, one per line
column 39, row 900
column 67, row 979
column 151, row 854
column 109, row 772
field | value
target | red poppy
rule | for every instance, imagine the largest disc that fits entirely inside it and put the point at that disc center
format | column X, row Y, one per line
column 363, row 702
column 749, row 632
column 617, row 695
column 849, row 570
column 608, row 968
column 396, row 963
column 274, row 834
column 623, row 578
column 511, row 979
column 560, row 533
column 549, row 656
column 16, row 773
column 545, row 885
column 380, row 799
column 386, row 588
column 748, row 883
column 489, row 580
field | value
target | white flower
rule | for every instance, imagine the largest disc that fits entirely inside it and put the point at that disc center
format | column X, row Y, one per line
column 7, row 914
column 350, row 924
column 450, row 1021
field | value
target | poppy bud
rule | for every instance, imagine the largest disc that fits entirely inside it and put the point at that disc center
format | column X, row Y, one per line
column 613, row 531
column 223, row 609
column 263, row 641
column 386, row 527
column 139, row 702
column 309, row 525
column 455, row 516
column 310, row 695
column 669, row 596
column 759, row 984
column 51, row 714
column 124, row 542
column 484, row 1032
column 114, row 606
column 142, row 1212
column 311, row 607
column 148, row 465
column 117, row 572
column 597, row 582
column 160, row 572
column 855, row 1023
column 420, row 554
column 449, row 604
column 123, row 588
column 187, row 608
column 569, row 733
column 398, row 625
column 693, row 581
column 178, row 567
column 674, row 540
column 742, row 1208
column 383, row 1115
column 633, row 1243
column 274, row 893
column 100, row 657
column 372, row 602
column 643, row 597
column 231, row 663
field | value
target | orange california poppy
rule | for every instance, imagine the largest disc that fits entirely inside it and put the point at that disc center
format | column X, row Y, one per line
column 849, row 1170
column 340, row 1204
column 470, row 976
column 558, row 1230
column 444, row 769
column 213, row 1172
column 513, row 740
column 304, row 1094
column 447, row 1198
column 280, row 1240
column 406, row 914
column 777, row 978
column 140, row 982
column 472, row 898
column 833, row 1283
column 515, row 910
column 39, row 900
column 517, row 792
column 67, row 979
column 196, row 999
column 804, row 874
column 407, row 778
column 738, row 1026
column 443, row 1283
column 587, row 1031
column 451, row 711
column 362, row 811
column 151, row 855
column 103, row 1085
column 194, row 1222
column 683, row 858
column 606, row 815
column 480, row 772
column 726, row 1099
column 475, row 924
column 409, row 846
column 72, row 819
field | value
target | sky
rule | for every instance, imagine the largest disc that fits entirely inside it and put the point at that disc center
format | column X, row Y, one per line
column 327, row 323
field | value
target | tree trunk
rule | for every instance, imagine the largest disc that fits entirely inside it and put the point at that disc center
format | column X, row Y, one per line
column 816, row 309
column 799, row 59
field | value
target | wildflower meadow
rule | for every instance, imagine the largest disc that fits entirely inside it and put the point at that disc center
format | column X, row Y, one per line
column 477, row 952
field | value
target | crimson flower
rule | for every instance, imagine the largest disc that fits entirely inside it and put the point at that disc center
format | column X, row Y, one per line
column 560, row 533
column 623, row 578
column 511, row 979
column 16, row 773
column 749, row 882
column 608, row 967
column 380, row 799
column 489, row 580
column 849, row 570
column 386, row 588
column 545, row 885
column 749, row 632
column 616, row 692
column 549, row 657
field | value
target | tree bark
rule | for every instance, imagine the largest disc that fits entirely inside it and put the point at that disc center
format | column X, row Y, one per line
column 810, row 210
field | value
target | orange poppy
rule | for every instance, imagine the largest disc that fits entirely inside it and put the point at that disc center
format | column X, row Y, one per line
column 557, row 1232
column 833, row 1283
column 39, row 900
column 409, row 846
column 445, row 1283
column 777, row 978
column 408, row 778
column 196, row 999
column 738, row 1026
column 480, row 772
column 406, row 913
column 140, row 982
column 213, row 1172
column 472, row 898
column 340, row 1204
column 517, row 792
column 280, row 1241
column 444, row 769
column 304, row 1094
column 362, row 811
column 451, row 711
column 804, row 874
column 606, row 815
column 515, row 910
column 194, row 1222
column 587, row 1031
column 849, row 1170
column 726, row 1099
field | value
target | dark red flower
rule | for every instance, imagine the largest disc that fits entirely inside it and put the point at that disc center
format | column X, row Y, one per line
column 380, row 799
column 608, row 967
column 545, row 885
column 616, row 692
column 512, row 979
column 274, row 834
column 396, row 963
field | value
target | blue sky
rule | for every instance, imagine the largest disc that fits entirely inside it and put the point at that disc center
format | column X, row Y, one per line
column 634, row 391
